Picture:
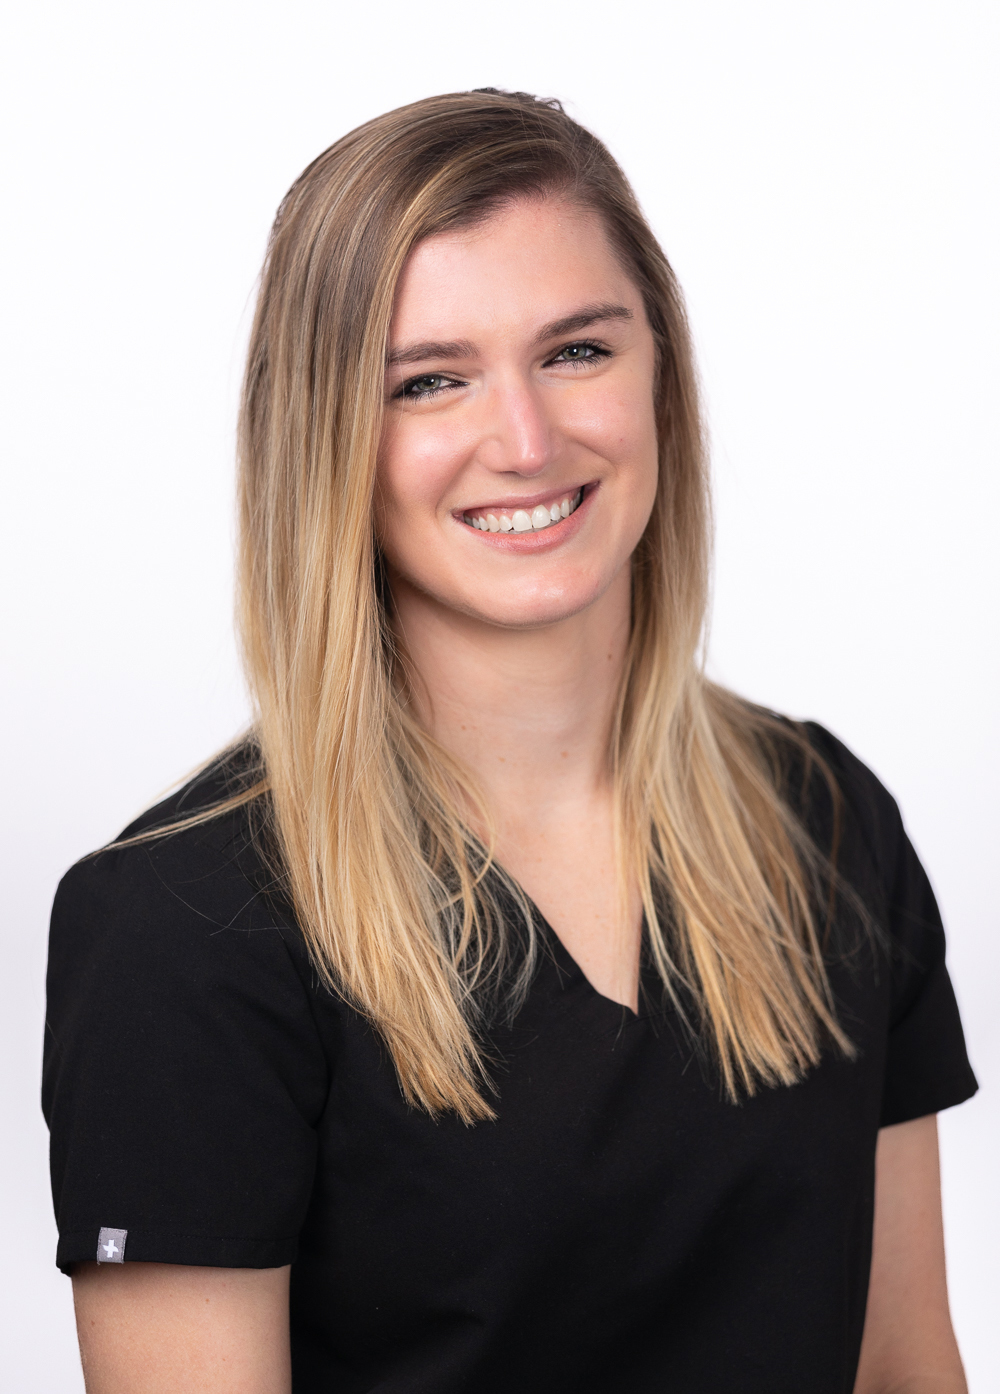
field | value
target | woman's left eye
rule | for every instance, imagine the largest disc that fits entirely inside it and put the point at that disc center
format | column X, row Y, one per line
column 579, row 353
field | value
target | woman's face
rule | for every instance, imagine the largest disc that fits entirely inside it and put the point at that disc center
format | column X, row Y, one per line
column 518, row 463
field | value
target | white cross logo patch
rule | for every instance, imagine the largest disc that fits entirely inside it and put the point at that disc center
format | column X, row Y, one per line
column 111, row 1245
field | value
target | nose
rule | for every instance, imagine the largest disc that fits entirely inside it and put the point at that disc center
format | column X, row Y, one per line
column 519, row 436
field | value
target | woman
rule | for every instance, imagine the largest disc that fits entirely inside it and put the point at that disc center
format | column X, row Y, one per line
column 513, row 1009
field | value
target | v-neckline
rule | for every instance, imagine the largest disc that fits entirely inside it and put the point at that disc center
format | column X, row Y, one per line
column 558, row 953
column 565, row 962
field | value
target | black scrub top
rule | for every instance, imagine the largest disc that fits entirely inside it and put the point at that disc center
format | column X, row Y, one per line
column 619, row 1227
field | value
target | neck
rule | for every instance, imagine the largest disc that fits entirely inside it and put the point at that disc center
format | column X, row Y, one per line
column 528, row 711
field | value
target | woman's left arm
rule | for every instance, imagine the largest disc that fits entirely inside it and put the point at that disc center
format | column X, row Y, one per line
column 909, row 1346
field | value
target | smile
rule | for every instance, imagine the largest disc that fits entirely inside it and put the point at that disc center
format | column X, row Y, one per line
column 521, row 519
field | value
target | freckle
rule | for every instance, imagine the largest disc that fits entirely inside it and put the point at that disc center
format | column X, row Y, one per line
column 564, row 753
column 501, row 759
column 463, row 728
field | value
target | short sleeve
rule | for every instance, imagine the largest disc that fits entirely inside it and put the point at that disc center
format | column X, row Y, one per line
column 184, row 1073
column 926, row 1065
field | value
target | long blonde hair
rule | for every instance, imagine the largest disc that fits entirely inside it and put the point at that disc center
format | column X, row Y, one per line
column 395, row 892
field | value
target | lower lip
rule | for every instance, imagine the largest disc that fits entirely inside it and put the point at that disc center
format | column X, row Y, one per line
column 542, row 541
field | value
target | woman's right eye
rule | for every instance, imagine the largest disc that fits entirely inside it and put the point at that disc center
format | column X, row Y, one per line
column 426, row 385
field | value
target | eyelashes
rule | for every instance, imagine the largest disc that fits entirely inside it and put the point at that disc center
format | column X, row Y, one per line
column 429, row 385
column 426, row 385
column 584, row 351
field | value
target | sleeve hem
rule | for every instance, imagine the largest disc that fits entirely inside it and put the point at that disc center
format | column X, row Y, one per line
column 942, row 1094
column 198, row 1251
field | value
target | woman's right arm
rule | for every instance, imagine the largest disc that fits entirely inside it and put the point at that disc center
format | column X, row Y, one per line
column 163, row 1328
column 182, row 1057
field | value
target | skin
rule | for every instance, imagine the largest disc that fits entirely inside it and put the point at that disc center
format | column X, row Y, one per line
column 520, row 640
column 163, row 1328
column 517, row 644
column 909, row 1346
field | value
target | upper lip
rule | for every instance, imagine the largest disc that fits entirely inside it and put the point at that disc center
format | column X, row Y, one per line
column 530, row 501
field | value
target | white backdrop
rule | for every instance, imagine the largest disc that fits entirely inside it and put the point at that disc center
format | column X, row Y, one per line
column 822, row 177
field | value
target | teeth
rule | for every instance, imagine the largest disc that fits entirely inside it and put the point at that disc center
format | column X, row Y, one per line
column 523, row 521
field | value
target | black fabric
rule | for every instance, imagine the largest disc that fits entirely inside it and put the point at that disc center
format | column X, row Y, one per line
column 619, row 1227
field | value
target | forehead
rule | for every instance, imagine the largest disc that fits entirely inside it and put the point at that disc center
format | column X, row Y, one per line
column 530, row 262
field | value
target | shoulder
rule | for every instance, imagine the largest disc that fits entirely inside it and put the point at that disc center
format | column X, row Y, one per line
column 873, row 856
column 186, row 1043
column 867, row 808
column 847, row 812
column 196, row 901
column 209, row 864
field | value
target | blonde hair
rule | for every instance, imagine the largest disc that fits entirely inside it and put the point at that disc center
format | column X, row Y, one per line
column 395, row 893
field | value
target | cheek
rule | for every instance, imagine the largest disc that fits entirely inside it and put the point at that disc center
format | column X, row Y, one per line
column 621, row 428
column 416, row 462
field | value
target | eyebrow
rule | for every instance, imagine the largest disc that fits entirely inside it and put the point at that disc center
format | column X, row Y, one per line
column 416, row 353
column 464, row 348
column 590, row 314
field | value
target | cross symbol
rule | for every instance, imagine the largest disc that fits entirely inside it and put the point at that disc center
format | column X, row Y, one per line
column 110, row 1248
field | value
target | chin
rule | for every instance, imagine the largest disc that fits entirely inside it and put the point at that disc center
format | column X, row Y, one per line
column 533, row 610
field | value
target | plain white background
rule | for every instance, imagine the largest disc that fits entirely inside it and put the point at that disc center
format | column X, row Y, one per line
column 822, row 177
